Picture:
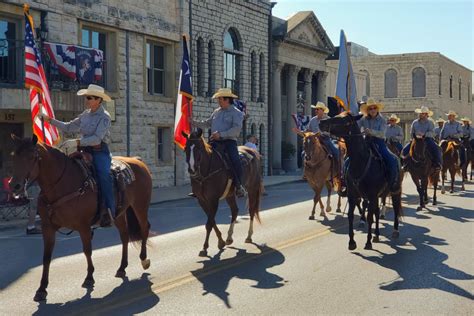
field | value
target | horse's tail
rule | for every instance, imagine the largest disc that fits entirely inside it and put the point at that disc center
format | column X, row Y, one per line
column 256, row 203
column 133, row 226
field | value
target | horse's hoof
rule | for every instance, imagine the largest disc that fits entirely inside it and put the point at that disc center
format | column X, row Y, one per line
column 146, row 264
column 88, row 283
column 328, row 210
column 361, row 224
column 120, row 274
column 419, row 208
column 221, row 244
column 311, row 218
column 451, row 191
column 248, row 240
column 322, row 214
column 435, row 203
column 229, row 241
column 395, row 234
column 352, row 245
column 203, row 253
column 376, row 239
column 40, row 296
column 338, row 210
column 442, row 191
column 368, row 246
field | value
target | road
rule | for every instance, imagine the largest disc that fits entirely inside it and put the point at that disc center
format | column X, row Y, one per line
column 294, row 266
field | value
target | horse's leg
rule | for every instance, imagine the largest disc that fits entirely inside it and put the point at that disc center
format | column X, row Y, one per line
column 122, row 228
column 434, row 179
column 443, row 177
column 321, row 205
column 49, row 238
column 86, row 238
column 362, row 211
column 384, row 207
column 209, row 225
column 377, row 231
column 339, row 201
column 220, row 240
column 350, row 216
column 452, row 171
column 234, row 211
column 315, row 203
column 370, row 219
column 397, row 209
column 328, row 203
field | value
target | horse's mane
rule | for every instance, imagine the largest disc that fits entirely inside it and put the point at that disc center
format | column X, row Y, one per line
column 412, row 147
column 207, row 147
column 450, row 147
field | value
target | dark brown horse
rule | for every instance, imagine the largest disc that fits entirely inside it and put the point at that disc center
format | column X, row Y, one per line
column 211, row 182
column 469, row 158
column 67, row 200
column 450, row 163
column 317, row 170
column 421, row 170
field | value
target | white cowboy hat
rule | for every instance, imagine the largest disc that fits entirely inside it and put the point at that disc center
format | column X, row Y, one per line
column 224, row 92
column 440, row 120
column 370, row 102
column 96, row 91
column 321, row 105
column 451, row 112
column 394, row 117
column 466, row 119
column 424, row 109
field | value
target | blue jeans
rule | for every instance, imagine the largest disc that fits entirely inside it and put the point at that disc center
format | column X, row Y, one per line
column 391, row 161
column 102, row 161
column 230, row 147
column 330, row 145
column 399, row 146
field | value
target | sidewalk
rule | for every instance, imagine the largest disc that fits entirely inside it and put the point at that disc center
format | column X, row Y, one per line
column 161, row 195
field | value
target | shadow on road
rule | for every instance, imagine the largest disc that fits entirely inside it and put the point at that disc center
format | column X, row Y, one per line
column 244, row 265
column 130, row 298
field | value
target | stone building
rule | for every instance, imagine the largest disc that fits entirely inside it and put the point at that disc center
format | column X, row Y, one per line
column 300, row 47
column 230, row 48
column 404, row 82
column 142, row 49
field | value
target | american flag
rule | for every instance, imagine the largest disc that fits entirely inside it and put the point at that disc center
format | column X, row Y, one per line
column 35, row 80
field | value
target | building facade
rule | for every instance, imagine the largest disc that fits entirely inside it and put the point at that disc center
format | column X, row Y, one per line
column 141, row 46
column 300, row 47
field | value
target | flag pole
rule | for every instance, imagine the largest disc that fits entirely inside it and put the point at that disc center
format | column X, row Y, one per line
column 42, row 122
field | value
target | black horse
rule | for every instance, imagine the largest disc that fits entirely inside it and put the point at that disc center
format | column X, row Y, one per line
column 365, row 175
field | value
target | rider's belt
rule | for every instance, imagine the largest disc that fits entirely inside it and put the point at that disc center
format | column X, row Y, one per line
column 98, row 147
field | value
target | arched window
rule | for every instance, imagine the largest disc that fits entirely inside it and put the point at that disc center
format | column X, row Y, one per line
column 261, row 139
column 460, row 84
column 253, row 76
column 451, row 86
column 367, row 82
column 200, row 66
column 418, row 82
column 440, row 81
column 253, row 130
column 261, row 86
column 231, row 61
column 391, row 84
column 211, row 74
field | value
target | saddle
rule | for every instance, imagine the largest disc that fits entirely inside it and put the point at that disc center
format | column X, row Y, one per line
column 335, row 163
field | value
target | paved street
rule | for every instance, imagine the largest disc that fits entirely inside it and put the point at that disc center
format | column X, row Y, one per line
column 295, row 266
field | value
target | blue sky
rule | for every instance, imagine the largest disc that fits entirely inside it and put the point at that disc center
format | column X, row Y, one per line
column 392, row 27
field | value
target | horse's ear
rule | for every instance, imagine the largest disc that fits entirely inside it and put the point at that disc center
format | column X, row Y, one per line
column 15, row 138
column 185, row 135
column 199, row 132
column 300, row 133
column 34, row 139
column 358, row 117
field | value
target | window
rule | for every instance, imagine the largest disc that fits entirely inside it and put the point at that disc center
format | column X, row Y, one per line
column 253, row 76
column 98, row 40
column 200, row 66
column 367, row 82
column 163, row 144
column 261, row 138
column 231, row 61
column 261, row 84
column 440, row 80
column 391, row 85
column 451, row 86
column 155, row 68
column 10, row 51
column 211, row 75
column 460, row 84
column 418, row 81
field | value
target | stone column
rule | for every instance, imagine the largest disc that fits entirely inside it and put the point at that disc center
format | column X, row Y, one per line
column 308, row 90
column 291, row 137
column 276, row 113
column 321, row 93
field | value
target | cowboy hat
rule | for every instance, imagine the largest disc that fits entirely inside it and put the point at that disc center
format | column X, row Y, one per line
column 321, row 105
column 425, row 110
column 224, row 92
column 369, row 103
column 440, row 120
column 395, row 118
column 466, row 119
column 451, row 112
column 96, row 91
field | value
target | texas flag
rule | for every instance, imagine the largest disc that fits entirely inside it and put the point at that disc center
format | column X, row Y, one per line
column 185, row 100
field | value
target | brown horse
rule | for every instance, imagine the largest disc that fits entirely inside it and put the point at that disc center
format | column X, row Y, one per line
column 450, row 163
column 469, row 158
column 211, row 182
column 317, row 170
column 422, row 171
column 69, row 200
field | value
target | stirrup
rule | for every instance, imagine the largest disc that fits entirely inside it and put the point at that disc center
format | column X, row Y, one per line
column 240, row 191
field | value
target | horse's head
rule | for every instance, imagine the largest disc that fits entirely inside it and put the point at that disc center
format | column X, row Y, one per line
column 341, row 125
column 196, row 148
column 25, row 158
column 418, row 148
column 310, row 143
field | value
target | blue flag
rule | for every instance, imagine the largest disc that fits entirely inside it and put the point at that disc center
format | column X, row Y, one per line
column 346, row 93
